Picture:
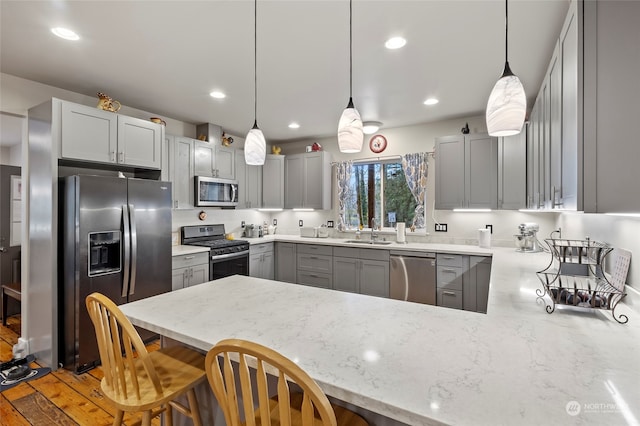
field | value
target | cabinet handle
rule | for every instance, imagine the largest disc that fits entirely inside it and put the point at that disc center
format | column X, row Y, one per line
column 189, row 257
column 449, row 270
column 448, row 257
column 113, row 156
column 175, row 204
column 448, row 293
column 122, row 156
column 190, row 272
column 313, row 275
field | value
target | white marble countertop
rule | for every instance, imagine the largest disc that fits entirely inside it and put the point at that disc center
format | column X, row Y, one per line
column 439, row 248
column 182, row 250
column 421, row 364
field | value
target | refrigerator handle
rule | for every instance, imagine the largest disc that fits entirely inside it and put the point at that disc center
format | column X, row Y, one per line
column 126, row 240
column 234, row 189
column 134, row 248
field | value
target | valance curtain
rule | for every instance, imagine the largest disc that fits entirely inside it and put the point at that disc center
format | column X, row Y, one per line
column 416, row 168
column 343, row 172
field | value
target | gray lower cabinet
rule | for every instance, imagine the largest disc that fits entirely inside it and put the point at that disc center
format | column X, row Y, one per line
column 285, row 262
column 476, row 284
column 364, row 271
column 463, row 282
column 314, row 265
column 261, row 263
column 189, row 269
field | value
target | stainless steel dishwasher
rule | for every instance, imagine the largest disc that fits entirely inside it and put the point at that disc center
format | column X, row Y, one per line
column 413, row 276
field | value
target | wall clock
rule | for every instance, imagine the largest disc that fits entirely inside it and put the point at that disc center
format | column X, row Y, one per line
column 377, row 144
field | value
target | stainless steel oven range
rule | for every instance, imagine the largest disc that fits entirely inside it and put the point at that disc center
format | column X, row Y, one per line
column 226, row 257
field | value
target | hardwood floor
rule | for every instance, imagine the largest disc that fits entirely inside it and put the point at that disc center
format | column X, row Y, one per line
column 59, row 398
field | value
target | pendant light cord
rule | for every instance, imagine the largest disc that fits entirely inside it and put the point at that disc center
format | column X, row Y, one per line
column 506, row 31
column 350, row 49
column 255, row 62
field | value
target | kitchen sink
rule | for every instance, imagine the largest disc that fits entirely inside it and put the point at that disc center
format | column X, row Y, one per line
column 375, row 243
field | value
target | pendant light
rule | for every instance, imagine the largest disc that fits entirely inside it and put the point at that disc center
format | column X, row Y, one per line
column 350, row 132
column 507, row 105
column 255, row 147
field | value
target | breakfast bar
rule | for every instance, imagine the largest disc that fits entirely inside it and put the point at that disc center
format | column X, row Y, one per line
column 420, row 364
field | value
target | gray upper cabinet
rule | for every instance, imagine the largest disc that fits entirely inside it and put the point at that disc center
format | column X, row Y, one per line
column 308, row 181
column 449, row 172
column 273, row 181
column 249, row 183
column 91, row 134
column 555, row 129
column 211, row 159
column 512, row 154
column 181, row 172
column 466, row 172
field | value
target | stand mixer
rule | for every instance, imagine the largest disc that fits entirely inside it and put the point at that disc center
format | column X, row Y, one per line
column 527, row 240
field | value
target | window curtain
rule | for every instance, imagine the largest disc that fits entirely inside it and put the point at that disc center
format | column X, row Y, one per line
column 416, row 168
column 343, row 172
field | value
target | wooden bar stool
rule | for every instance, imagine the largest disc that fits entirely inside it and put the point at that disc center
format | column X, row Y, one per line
column 14, row 291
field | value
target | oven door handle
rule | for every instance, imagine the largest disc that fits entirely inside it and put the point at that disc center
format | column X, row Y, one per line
column 229, row 256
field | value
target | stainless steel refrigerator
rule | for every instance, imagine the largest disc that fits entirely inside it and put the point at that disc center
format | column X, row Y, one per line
column 116, row 240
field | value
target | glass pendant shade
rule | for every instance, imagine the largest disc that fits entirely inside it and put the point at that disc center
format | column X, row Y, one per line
column 255, row 147
column 350, row 130
column 507, row 106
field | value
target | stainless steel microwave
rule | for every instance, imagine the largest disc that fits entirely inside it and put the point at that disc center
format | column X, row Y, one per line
column 215, row 192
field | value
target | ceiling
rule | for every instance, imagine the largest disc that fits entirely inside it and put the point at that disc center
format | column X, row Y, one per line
column 166, row 56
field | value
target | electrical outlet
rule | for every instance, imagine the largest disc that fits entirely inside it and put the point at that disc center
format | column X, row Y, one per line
column 300, row 223
column 490, row 228
column 275, row 222
column 242, row 224
column 329, row 224
column 441, row 227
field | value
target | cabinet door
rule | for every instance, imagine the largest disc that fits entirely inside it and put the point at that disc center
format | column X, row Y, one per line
column 294, row 181
column 555, row 130
column 167, row 146
column 545, row 152
column 512, row 171
column 285, row 262
column 241, row 177
column 449, row 172
column 199, row 274
column 139, row 142
column 571, row 111
column 481, row 171
column 179, row 278
column 535, row 157
column 253, row 177
column 182, row 177
column 374, row 278
column 314, row 279
column 268, row 267
column 88, row 133
column 449, row 298
column 255, row 261
column 203, row 158
column 313, row 181
column 225, row 158
column 273, row 181
column 345, row 274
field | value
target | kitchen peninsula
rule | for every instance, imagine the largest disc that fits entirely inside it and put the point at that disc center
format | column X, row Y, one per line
column 420, row 364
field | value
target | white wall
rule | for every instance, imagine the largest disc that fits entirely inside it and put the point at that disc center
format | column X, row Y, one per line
column 618, row 231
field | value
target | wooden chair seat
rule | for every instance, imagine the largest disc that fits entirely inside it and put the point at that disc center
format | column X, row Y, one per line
column 309, row 408
column 136, row 380
column 177, row 367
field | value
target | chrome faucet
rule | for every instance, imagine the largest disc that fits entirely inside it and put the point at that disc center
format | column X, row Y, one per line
column 374, row 236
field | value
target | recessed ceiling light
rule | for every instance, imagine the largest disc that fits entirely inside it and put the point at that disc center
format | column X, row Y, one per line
column 65, row 33
column 370, row 127
column 431, row 101
column 217, row 95
column 294, row 126
column 395, row 43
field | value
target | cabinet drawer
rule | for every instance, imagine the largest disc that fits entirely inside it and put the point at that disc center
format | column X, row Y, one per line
column 450, row 260
column 361, row 253
column 449, row 298
column 315, row 279
column 449, row 277
column 260, row 248
column 315, row 249
column 315, row 263
column 185, row 260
